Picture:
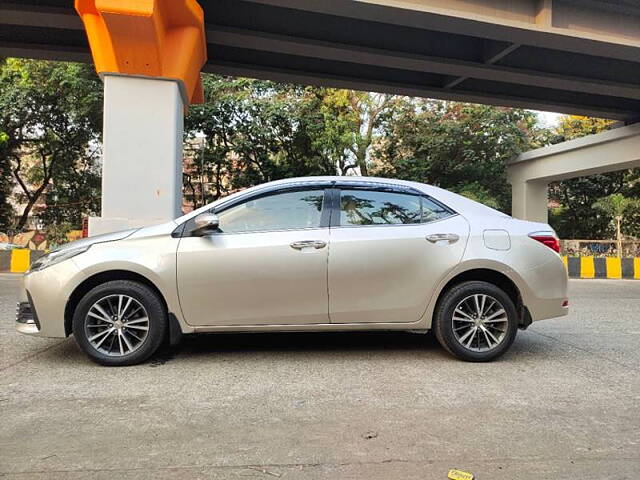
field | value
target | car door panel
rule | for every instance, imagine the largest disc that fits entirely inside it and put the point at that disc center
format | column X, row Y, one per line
column 266, row 264
column 387, row 273
column 253, row 279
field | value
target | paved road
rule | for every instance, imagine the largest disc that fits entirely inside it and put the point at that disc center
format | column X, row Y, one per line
column 564, row 403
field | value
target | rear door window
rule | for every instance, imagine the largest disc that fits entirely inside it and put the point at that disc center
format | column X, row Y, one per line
column 370, row 207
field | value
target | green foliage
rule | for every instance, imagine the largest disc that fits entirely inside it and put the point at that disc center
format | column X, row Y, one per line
column 480, row 194
column 6, row 186
column 461, row 147
column 575, row 126
column 74, row 193
column 351, row 120
column 617, row 207
column 50, row 113
column 57, row 233
column 258, row 131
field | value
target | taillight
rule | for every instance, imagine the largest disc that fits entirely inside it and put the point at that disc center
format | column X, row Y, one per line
column 548, row 239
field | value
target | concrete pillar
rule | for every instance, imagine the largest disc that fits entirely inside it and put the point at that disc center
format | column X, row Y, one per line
column 529, row 200
column 142, row 153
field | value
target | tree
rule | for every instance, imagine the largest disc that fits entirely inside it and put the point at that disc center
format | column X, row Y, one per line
column 476, row 192
column 74, row 192
column 6, row 185
column 615, row 207
column 50, row 113
column 576, row 126
column 255, row 131
column 351, row 119
column 461, row 147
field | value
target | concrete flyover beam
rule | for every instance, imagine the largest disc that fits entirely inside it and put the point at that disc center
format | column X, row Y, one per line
column 496, row 52
column 485, row 70
column 407, row 89
column 604, row 27
column 570, row 56
column 530, row 173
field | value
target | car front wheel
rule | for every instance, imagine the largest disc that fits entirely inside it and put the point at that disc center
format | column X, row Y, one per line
column 476, row 321
column 120, row 323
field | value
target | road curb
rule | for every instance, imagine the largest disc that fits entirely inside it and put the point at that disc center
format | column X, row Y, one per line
column 18, row 260
column 603, row 267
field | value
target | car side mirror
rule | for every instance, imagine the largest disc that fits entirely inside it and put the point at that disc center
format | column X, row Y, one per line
column 205, row 224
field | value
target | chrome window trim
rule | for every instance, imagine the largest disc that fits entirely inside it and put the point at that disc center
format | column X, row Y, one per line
column 386, row 225
column 251, row 232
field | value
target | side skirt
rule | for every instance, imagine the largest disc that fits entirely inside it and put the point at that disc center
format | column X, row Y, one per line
column 316, row 327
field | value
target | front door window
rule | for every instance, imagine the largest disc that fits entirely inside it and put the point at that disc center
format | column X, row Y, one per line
column 296, row 210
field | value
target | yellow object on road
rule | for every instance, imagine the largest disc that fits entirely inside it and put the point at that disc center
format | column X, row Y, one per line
column 20, row 259
column 587, row 267
column 614, row 267
column 459, row 475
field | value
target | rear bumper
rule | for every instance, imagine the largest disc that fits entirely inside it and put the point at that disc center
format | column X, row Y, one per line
column 547, row 293
column 545, row 308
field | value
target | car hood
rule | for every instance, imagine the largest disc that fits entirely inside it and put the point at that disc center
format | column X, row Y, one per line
column 107, row 237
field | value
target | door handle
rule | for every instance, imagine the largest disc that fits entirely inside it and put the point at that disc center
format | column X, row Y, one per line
column 446, row 237
column 317, row 244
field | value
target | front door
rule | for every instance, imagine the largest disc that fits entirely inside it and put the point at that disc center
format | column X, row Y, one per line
column 267, row 264
column 388, row 252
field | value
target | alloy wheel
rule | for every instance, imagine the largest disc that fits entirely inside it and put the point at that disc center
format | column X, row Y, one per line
column 480, row 323
column 117, row 325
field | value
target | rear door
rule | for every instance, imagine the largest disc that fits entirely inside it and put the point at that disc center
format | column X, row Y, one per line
column 389, row 249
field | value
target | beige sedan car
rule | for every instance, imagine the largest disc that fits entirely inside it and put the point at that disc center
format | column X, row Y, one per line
column 307, row 254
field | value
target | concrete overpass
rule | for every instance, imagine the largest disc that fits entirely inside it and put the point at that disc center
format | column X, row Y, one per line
column 531, row 173
column 570, row 56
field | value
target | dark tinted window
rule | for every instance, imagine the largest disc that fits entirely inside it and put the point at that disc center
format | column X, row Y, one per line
column 364, row 207
column 282, row 211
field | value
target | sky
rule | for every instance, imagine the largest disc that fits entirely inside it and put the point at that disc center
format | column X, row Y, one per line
column 548, row 119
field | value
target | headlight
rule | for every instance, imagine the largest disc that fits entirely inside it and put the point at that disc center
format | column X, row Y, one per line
column 57, row 257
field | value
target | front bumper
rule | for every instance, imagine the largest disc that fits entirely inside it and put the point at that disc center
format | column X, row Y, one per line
column 28, row 329
column 26, row 317
column 43, row 299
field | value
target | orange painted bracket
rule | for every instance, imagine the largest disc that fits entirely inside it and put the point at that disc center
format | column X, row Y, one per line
column 151, row 38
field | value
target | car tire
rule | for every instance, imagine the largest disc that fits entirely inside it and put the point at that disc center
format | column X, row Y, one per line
column 475, row 332
column 114, row 336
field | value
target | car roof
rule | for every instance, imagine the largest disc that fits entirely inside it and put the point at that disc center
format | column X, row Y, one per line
column 454, row 201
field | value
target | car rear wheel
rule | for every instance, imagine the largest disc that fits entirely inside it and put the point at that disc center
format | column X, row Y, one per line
column 120, row 323
column 476, row 321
